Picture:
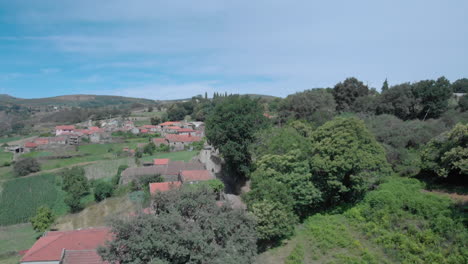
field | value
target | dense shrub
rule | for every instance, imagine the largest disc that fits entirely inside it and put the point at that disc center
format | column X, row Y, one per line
column 26, row 166
column 43, row 219
column 447, row 155
column 411, row 225
column 102, row 190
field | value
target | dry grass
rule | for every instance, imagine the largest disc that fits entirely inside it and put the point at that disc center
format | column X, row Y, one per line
column 107, row 168
column 96, row 215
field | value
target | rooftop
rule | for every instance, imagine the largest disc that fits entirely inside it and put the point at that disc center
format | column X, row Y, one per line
column 163, row 186
column 50, row 246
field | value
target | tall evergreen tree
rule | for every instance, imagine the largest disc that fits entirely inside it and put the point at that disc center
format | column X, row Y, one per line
column 385, row 85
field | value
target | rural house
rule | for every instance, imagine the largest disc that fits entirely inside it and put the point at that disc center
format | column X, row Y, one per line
column 179, row 142
column 59, row 130
column 163, row 186
column 77, row 246
column 194, row 176
column 170, row 172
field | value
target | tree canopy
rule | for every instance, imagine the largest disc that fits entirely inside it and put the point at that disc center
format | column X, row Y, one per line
column 447, row 155
column 347, row 92
column 231, row 128
column 346, row 161
column 187, row 227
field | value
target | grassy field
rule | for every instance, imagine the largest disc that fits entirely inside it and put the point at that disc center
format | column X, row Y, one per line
column 179, row 155
column 92, row 152
column 96, row 214
column 9, row 139
column 5, row 157
column 16, row 237
column 21, row 197
column 107, row 168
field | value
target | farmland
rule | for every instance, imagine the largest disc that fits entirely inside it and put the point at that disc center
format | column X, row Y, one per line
column 15, row 238
column 21, row 197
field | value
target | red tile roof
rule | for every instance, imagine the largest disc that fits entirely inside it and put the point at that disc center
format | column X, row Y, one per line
column 159, row 140
column 173, row 127
column 30, row 145
column 144, row 130
column 196, row 175
column 168, row 123
column 186, row 130
column 149, row 126
column 41, row 141
column 94, row 128
column 182, row 138
column 161, row 161
column 65, row 127
column 163, row 186
column 50, row 246
column 82, row 257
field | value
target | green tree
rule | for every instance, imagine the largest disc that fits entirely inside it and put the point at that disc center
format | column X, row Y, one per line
column 399, row 100
column 434, row 97
column 155, row 120
column 347, row 92
column 385, row 85
column 274, row 221
column 43, row 219
column 447, row 155
column 73, row 201
column 316, row 105
column 291, row 171
column 176, row 113
column 231, row 128
column 463, row 103
column 149, row 148
column 279, row 141
column 102, row 190
column 74, row 181
column 26, row 166
column 346, row 160
column 189, row 227
column 460, row 86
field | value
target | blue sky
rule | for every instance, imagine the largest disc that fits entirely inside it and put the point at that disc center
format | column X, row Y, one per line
column 179, row 48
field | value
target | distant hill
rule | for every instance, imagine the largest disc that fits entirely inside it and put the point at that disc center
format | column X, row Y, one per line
column 255, row 96
column 78, row 100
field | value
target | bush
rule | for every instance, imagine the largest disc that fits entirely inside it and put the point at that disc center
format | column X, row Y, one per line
column 43, row 219
column 416, row 227
column 102, row 190
column 26, row 166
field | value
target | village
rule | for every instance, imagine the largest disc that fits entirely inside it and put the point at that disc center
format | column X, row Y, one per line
column 79, row 245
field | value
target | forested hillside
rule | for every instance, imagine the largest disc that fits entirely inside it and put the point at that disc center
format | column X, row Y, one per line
column 338, row 175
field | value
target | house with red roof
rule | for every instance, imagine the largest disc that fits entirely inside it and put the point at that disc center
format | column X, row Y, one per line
column 151, row 128
column 30, row 145
column 194, row 176
column 59, row 130
column 180, row 142
column 41, row 141
column 63, row 246
column 160, row 141
column 187, row 131
column 163, row 186
column 160, row 162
